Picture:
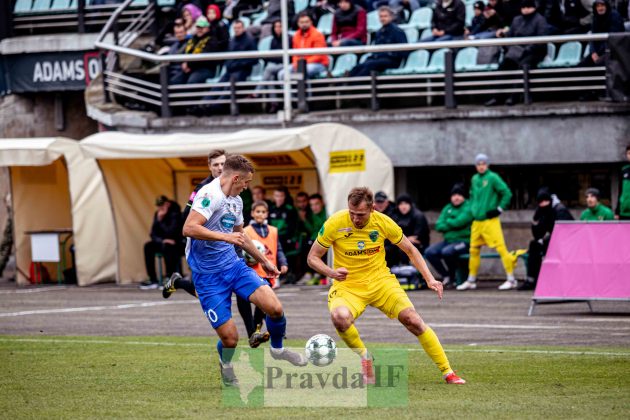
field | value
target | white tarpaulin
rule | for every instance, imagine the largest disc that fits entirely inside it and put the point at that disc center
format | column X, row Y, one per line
column 137, row 168
column 54, row 186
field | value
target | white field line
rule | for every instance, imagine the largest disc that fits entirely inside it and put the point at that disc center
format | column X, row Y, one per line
column 97, row 308
column 38, row 290
column 412, row 349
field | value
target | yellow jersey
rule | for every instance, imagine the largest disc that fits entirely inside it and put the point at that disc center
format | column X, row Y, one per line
column 361, row 251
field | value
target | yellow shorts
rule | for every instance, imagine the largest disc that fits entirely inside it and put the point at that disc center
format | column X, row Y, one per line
column 486, row 232
column 383, row 293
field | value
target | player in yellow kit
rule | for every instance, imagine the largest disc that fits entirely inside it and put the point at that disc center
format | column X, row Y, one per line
column 362, row 278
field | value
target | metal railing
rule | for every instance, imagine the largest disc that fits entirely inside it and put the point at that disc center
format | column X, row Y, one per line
column 448, row 85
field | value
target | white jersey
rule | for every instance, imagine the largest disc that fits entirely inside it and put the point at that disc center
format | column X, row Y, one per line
column 222, row 213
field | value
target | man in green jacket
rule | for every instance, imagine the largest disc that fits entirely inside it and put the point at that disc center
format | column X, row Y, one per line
column 489, row 196
column 596, row 211
column 623, row 207
column 454, row 223
column 313, row 223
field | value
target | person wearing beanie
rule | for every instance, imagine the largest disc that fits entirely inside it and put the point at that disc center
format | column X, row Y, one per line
column 489, row 196
column 454, row 224
column 596, row 211
column 478, row 19
column 413, row 224
column 623, row 205
column 549, row 210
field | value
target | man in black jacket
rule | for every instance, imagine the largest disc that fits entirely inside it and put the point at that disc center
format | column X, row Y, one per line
column 449, row 20
column 166, row 237
column 197, row 71
column 413, row 224
column 605, row 20
column 389, row 33
column 549, row 210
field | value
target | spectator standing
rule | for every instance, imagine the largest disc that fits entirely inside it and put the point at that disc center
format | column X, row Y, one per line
column 349, row 25
column 623, row 206
column 166, row 237
column 413, row 224
column 283, row 216
column 454, row 224
column 529, row 23
column 389, row 33
column 190, row 14
column 449, row 20
column 549, row 210
column 596, row 211
column 578, row 16
column 313, row 223
column 489, row 197
column 383, row 205
column 308, row 36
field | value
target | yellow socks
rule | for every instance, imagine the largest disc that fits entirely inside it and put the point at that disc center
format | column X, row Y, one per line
column 353, row 340
column 431, row 345
column 474, row 261
column 506, row 258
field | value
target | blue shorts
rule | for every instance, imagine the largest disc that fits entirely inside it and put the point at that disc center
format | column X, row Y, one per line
column 215, row 290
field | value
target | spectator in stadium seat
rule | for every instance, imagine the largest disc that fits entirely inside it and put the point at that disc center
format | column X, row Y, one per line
column 578, row 16
column 449, row 20
column 349, row 25
column 235, row 8
column 274, row 65
column 489, row 26
column 530, row 23
column 382, row 204
column 219, row 34
column 197, row 71
column 190, row 14
column 166, row 237
column 550, row 10
column 267, row 26
column 596, row 211
column 413, row 224
column 549, row 210
column 283, row 216
column 175, row 71
column 308, row 36
column 454, row 224
column 506, row 10
column 389, row 33
column 623, row 206
column 410, row 5
column 478, row 19
column 605, row 20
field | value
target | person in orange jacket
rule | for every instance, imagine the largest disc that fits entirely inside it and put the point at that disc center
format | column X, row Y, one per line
column 308, row 36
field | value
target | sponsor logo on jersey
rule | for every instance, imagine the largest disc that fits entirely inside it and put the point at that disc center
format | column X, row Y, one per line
column 228, row 221
column 321, row 231
column 205, row 202
column 347, row 235
column 374, row 235
column 361, row 245
column 363, row 252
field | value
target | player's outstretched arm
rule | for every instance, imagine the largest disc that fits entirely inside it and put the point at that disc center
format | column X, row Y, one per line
column 193, row 228
column 416, row 259
column 315, row 261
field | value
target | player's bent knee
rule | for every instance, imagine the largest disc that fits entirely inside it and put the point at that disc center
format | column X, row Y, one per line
column 412, row 321
column 275, row 310
column 341, row 318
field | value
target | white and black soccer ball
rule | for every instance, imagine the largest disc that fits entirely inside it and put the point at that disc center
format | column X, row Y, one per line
column 248, row 258
column 321, row 350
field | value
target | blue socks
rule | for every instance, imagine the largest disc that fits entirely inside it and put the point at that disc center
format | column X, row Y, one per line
column 276, row 327
column 225, row 355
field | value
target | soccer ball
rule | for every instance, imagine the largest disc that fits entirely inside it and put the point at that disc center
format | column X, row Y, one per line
column 321, row 350
column 248, row 258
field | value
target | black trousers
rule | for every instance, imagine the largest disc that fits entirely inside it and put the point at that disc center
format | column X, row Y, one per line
column 536, row 253
column 171, row 257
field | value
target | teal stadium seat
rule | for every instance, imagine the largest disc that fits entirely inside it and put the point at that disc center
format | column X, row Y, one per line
column 569, row 55
column 325, row 24
column 412, row 35
column 300, row 5
column 470, row 13
column 343, row 64
column 140, row 3
column 61, row 4
column 426, row 34
column 41, row 6
column 22, row 6
column 265, row 43
column 466, row 59
column 551, row 54
column 257, row 19
column 420, row 19
column 436, row 64
column 165, row 3
column 373, row 24
column 416, row 62
column 219, row 74
column 257, row 71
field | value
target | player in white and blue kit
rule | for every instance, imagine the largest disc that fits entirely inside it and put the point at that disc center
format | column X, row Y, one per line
column 213, row 227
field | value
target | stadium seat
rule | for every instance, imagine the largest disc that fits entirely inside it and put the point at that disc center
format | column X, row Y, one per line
column 436, row 64
column 61, row 4
column 343, row 64
column 265, row 43
column 426, row 34
column 416, row 62
column 41, row 6
column 363, row 58
column 300, row 5
column 470, row 13
column 466, row 59
column 165, row 3
column 139, row 3
column 257, row 19
column 420, row 19
column 217, row 76
column 551, row 54
column 373, row 24
column 257, row 72
column 412, row 35
column 569, row 55
column 22, row 6
column 325, row 24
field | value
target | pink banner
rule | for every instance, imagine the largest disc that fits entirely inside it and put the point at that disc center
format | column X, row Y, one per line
column 586, row 261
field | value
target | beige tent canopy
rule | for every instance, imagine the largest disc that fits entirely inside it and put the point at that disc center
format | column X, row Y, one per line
column 54, row 186
column 329, row 158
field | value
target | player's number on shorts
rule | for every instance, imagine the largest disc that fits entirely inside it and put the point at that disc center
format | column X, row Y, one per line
column 212, row 316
